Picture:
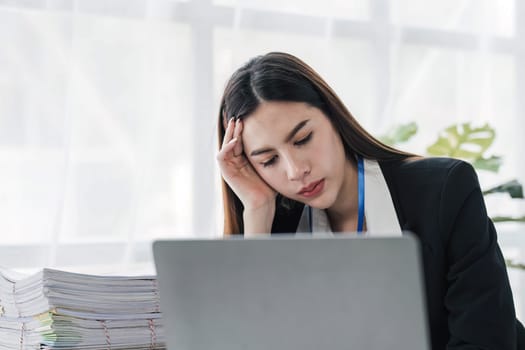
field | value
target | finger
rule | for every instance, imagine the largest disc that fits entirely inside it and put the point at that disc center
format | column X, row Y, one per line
column 227, row 150
column 228, row 134
column 238, row 149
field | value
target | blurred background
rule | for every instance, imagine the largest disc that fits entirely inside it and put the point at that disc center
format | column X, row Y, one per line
column 108, row 108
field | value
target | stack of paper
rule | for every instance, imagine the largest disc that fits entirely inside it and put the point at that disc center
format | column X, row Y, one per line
column 61, row 310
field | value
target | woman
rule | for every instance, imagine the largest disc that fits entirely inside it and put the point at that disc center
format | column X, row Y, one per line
column 294, row 159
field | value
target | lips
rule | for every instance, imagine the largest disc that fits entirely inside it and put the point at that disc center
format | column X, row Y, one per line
column 312, row 189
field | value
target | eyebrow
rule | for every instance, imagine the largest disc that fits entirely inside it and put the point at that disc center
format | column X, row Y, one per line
column 290, row 136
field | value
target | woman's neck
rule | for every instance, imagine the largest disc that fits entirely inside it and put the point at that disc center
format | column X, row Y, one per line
column 343, row 214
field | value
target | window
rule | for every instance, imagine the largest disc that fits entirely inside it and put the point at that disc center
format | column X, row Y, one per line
column 107, row 109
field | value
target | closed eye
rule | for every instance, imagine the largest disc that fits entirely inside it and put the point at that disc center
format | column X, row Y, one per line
column 304, row 140
column 269, row 162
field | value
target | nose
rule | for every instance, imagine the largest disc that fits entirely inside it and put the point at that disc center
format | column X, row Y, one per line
column 296, row 169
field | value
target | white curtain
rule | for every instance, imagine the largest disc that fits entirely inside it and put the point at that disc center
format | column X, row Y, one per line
column 108, row 108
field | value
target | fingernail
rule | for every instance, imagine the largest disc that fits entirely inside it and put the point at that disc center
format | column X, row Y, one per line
column 233, row 140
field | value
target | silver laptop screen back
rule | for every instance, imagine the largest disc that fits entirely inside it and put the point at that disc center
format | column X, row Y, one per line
column 292, row 293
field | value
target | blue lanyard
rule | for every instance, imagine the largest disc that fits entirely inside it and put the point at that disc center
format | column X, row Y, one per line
column 360, row 198
column 361, row 194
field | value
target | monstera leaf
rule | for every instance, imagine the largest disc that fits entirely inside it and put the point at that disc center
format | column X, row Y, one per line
column 399, row 134
column 492, row 163
column 467, row 142
column 513, row 188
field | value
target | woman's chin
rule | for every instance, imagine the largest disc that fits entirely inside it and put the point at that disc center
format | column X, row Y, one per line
column 319, row 203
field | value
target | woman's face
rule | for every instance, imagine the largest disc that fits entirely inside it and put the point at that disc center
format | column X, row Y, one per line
column 296, row 150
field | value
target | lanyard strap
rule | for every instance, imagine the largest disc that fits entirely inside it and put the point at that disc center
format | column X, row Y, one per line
column 360, row 194
column 360, row 198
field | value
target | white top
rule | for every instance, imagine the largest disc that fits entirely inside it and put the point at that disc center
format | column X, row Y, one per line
column 380, row 214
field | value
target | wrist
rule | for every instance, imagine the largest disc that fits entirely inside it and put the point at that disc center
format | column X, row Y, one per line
column 259, row 219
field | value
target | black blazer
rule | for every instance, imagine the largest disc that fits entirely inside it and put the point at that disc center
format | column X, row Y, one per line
column 469, row 300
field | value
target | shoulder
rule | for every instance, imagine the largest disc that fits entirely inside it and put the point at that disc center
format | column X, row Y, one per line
column 435, row 172
column 415, row 165
column 427, row 190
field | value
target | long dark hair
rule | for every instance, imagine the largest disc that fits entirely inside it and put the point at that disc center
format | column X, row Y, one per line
column 279, row 76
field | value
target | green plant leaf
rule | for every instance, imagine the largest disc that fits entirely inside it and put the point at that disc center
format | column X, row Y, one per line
column 399, row 134
column 463, row 141
column 507, row 219
column 492, row 163
column 513, row 188
column 514, row 265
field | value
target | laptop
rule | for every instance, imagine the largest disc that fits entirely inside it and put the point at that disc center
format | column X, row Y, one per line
column 292, row 292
